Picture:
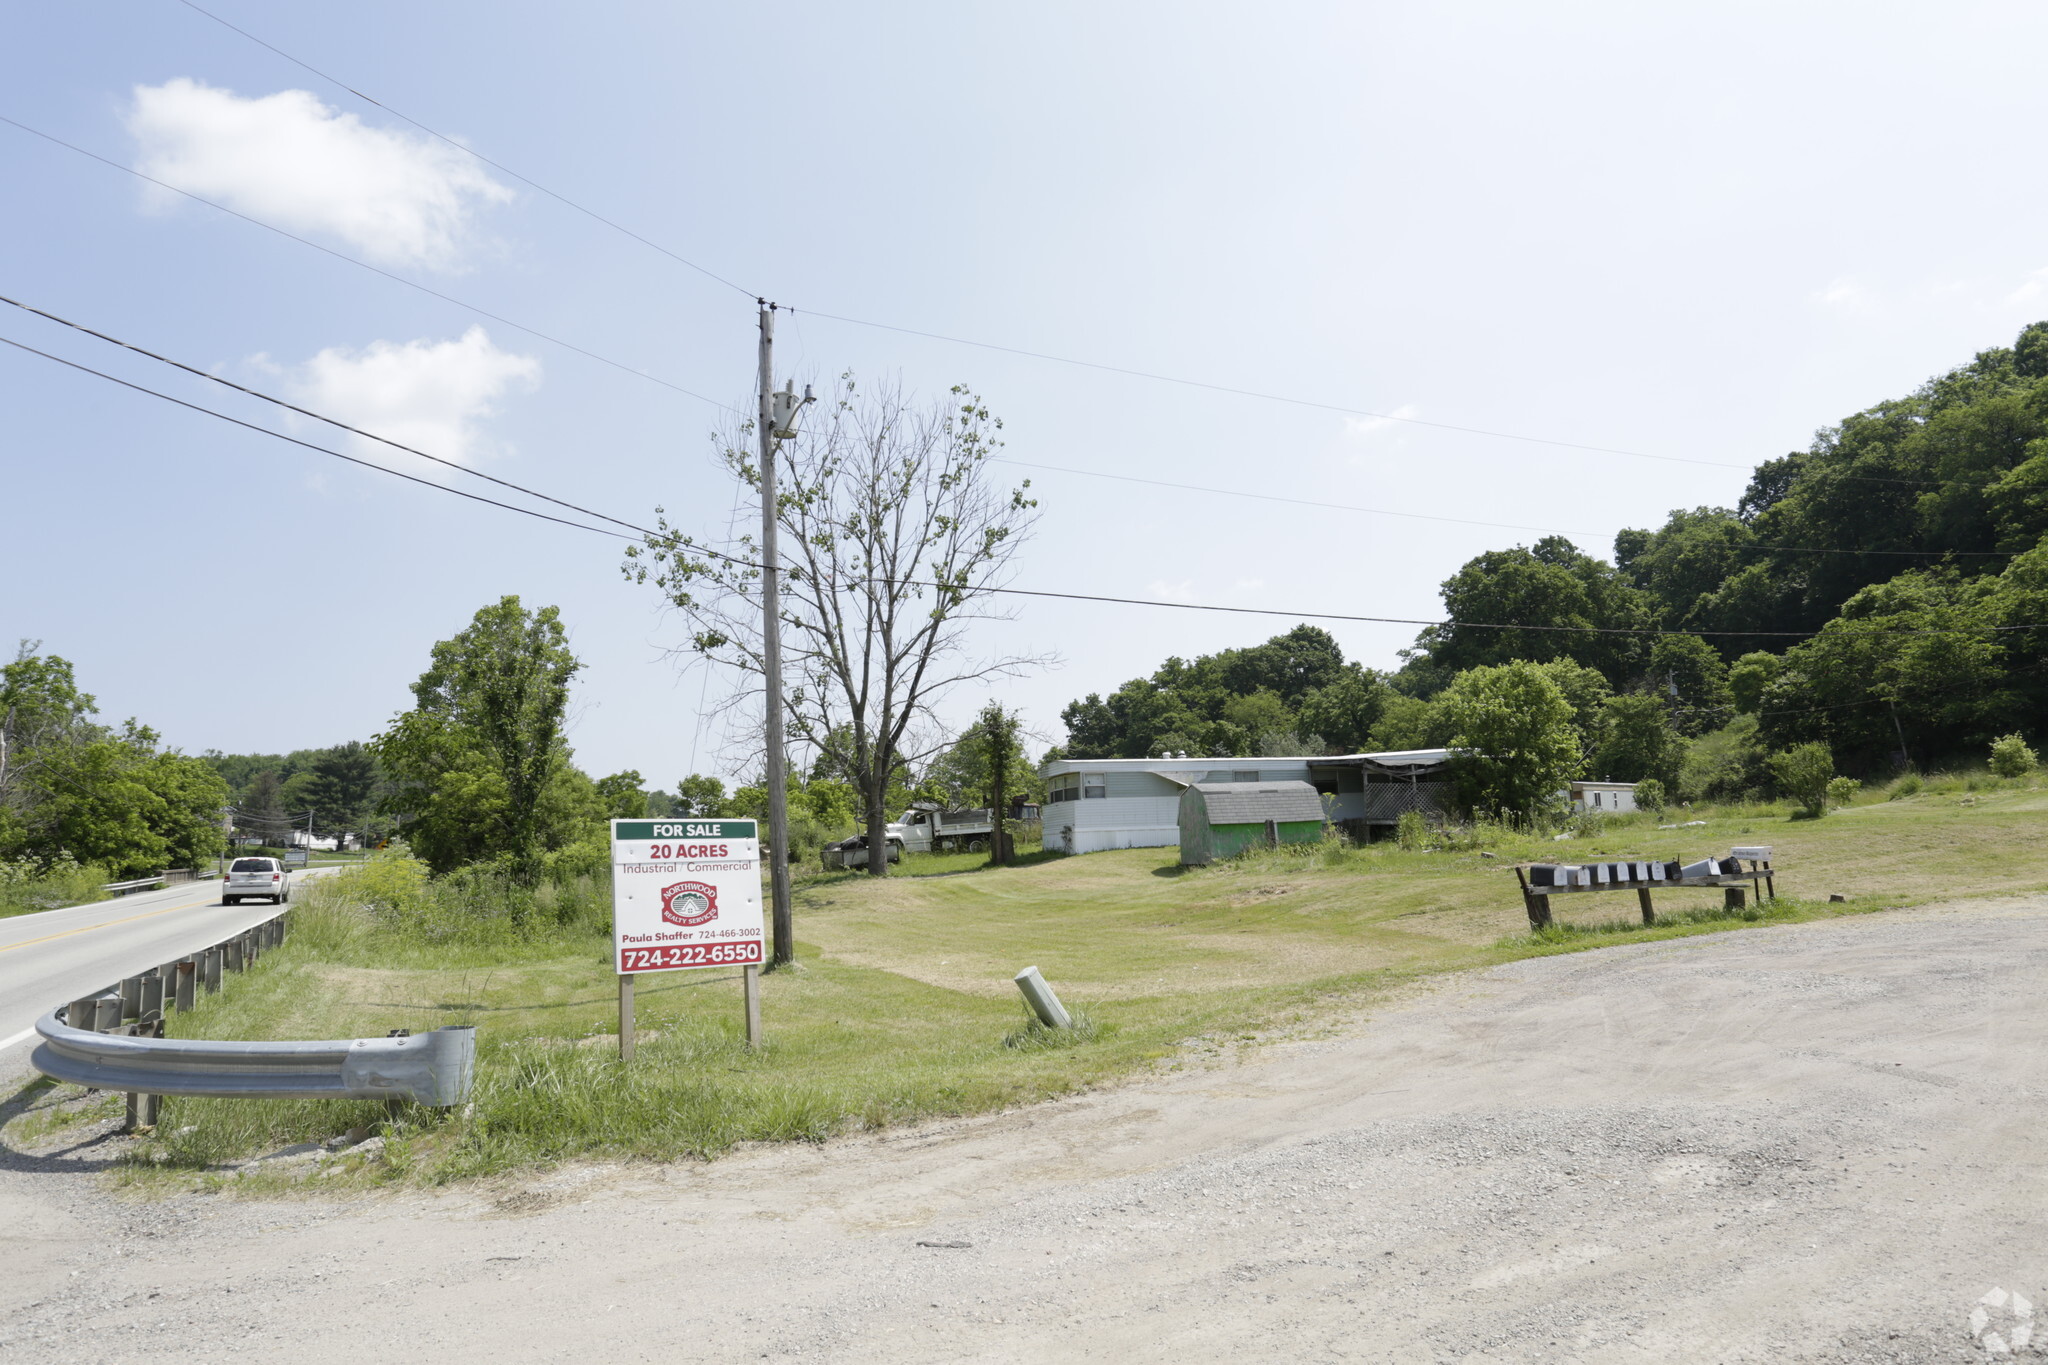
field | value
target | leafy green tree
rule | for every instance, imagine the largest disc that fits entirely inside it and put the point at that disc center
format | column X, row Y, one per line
column 1406, row 722
column 1651, row 795
column 1803, row 773
column 701, row 797
column 1236, row 702
column 341, row 788
column 262, row 811
column 1512, row 728
column 1638, row 742
column 1689, row 674
column 1685, row 562
column 1545, row 602
column 1587, row 691
column 1750, row 676
column 965, row 773
column 622, row 797
column 482, row 747
column 1342, row 712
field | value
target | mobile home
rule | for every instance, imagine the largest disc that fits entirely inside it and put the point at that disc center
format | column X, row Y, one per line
column 1094, row 804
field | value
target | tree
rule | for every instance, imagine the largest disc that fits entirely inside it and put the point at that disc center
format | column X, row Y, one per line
column 1342, row 712
column 1803, row 773
column 341, row 788
column 621, row 795
column 474, row 761
column 262, row 811
column 1545, row 602
column 73, row 789
column 1511, row 727
column 895, row 533
column 1638, row 742
column 700, row 797
column 965, row 773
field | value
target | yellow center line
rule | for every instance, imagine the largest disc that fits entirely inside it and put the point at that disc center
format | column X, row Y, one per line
column 103, row 924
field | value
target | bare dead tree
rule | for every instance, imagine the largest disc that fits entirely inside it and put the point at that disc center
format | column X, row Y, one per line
column 894, row 534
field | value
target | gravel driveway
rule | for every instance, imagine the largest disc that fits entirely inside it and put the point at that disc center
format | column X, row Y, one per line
column 1818, row 1142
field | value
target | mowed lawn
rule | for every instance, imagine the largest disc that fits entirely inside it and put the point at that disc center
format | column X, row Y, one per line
column 1133, row 925
column 904, row 1002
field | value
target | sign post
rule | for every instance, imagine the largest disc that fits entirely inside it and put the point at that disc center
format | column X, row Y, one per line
column 686, row 894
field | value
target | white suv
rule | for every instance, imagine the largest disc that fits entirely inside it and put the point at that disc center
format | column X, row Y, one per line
column 251, row 878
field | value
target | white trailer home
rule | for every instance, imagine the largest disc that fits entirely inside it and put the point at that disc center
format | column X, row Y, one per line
column 1094, row 804
column 1608, row 797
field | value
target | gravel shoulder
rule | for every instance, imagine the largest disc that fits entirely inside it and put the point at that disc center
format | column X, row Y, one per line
column 1816, row 1142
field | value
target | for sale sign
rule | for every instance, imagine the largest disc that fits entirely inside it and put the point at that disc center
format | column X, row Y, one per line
column 686, row 893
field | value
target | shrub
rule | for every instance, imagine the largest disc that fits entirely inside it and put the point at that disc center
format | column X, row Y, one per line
column 1803, row 773
column 1909, row 785
column 2011, row 756
column 1650, row 795
column 1411, row 831
column 1842, row 790
column 28, row 885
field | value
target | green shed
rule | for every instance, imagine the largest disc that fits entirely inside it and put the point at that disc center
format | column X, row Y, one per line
column 1223, row 819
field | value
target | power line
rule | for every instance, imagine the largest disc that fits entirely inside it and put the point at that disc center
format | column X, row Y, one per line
column 367, row 464
column 1456, row 521
column 1129, row 372
column 646, row 536
column 1024, row 464
column 365, row 265
column 318, row 417
column 471, row 151
column 1408, row 621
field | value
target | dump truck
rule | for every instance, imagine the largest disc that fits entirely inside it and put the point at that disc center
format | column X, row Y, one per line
column 928, row 828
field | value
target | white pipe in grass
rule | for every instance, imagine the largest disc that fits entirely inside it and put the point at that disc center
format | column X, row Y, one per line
column 1043, row 1002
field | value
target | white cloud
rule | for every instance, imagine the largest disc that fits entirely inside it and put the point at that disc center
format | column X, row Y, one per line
column 431, row 395
column 2034, row 287
column 292, row 161
column 1359, row 428
column 1183, row 591
column 1846, row 293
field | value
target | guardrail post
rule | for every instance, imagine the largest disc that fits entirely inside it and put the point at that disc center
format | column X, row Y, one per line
column 107, row 1013
column 231, row 955
column 153, row 997
column 209, row 970
column 131, row 997
column 187, row 979
column 83, row 1012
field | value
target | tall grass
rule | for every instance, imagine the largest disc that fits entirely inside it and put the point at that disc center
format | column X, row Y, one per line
column 28, row 886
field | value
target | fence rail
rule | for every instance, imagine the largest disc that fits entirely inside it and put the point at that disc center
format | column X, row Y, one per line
column 113, row 1040
column 432, row 1068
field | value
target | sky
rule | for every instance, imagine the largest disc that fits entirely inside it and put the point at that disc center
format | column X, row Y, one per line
column 1693, row 232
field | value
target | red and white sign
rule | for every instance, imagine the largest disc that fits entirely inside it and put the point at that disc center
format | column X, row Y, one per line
column 686, row 893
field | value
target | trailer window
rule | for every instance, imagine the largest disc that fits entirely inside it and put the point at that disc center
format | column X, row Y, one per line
column 1093, row 785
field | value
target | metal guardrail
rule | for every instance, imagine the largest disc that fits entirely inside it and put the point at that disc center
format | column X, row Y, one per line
column 157, row 880
column 112, row 1040
column 430, row 1068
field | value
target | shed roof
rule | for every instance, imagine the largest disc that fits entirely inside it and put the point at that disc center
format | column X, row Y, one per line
column 1240, row 803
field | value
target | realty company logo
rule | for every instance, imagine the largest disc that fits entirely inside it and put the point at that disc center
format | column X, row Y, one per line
column 2002, row 1323
column 688, row 903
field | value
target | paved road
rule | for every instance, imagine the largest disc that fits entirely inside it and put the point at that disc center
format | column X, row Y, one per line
column 1808, row 1143
column 59, row 955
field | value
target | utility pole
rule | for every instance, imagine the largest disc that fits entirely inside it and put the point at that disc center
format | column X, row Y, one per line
column 777, row 422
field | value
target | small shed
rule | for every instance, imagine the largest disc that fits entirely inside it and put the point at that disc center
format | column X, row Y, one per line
column 1223, row 819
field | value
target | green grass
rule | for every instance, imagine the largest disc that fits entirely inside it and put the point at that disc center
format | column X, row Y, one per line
column 902, row 1007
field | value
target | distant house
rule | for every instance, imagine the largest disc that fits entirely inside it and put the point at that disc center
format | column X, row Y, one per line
column 1094, row 804
column 1602, row 796
column 1223, row 819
